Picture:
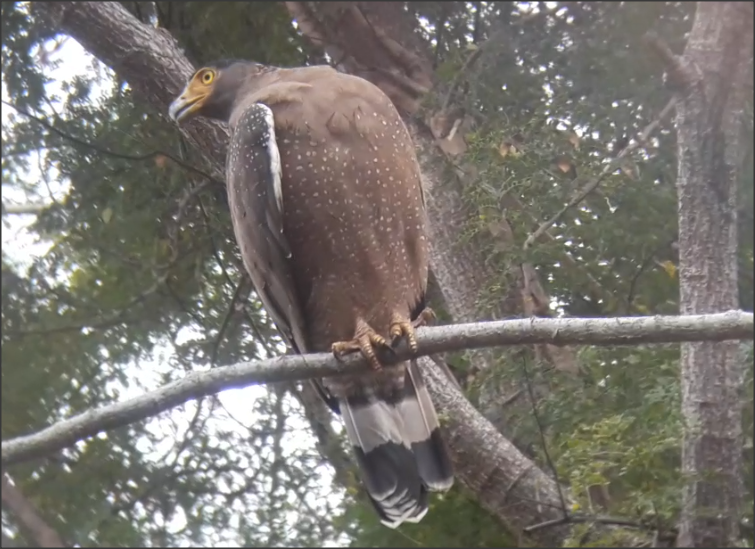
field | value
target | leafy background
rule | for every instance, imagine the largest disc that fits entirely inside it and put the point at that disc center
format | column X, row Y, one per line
column 129, row 277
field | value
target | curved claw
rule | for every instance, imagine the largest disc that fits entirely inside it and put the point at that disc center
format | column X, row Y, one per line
column 403, row 327
column 364, row 342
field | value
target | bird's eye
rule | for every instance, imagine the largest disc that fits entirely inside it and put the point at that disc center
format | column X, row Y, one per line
column 208, row 77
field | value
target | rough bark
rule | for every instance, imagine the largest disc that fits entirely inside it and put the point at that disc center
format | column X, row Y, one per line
column 377, row 41
column 709, row 113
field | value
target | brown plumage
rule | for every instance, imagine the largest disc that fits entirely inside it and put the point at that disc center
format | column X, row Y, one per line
column 327, row 209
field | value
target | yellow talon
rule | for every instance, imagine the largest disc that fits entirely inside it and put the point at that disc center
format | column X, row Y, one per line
column 364, row 341
column 401, row 327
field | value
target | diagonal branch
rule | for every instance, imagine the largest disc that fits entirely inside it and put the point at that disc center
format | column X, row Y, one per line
column 679, row 75
column 27, row 516
column 640, row 140
column 596, row 331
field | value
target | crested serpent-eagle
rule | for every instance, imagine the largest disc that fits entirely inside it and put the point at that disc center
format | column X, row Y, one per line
column 328, row 212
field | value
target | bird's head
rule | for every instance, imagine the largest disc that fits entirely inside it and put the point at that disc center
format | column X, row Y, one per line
column 212, row 90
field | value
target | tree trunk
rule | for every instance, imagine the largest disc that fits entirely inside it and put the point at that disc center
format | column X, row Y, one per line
column 509, row 485
column 710, row 113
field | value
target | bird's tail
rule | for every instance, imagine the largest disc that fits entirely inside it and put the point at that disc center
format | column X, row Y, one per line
column 399, row 448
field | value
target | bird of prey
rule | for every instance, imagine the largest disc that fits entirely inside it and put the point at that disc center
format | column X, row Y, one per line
column 328, row 212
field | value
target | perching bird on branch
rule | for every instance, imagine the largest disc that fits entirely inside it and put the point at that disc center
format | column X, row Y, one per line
column 328, row 211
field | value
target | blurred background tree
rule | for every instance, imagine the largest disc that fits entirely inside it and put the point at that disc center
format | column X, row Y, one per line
column 127, row 276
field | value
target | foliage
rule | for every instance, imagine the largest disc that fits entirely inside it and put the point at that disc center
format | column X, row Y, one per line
column 559, row 98
column 136, row 288
column 139, row 278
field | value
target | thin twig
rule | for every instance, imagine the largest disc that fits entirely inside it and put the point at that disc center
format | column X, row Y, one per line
column 226, row 322
column 608, row 521
column 544, row 443
column 604, row 331
column 475, row 55
column 471, row 60
column 596, row 286
column 608, row 169
column 644, row 264
column 111, row 319
column 102, row 150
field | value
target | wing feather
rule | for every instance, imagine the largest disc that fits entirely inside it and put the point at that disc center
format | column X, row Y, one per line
column 255, row 197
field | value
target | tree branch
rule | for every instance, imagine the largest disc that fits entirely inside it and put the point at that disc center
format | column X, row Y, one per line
column 27, row 516
column 596, row 331
column 111, row 318
column 608, row 169
column 668, row 535
column 22, row 209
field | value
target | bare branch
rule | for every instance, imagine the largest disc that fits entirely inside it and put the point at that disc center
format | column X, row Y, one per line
column 27, row 516
column 608, row 169
column 21, row 209
column 596, row 331
column 669, row 535
column 460, row 75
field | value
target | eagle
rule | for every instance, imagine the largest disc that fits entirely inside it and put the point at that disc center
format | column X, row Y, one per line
column 328, row 212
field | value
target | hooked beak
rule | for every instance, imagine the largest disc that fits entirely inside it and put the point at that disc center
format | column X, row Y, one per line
column 184, row 106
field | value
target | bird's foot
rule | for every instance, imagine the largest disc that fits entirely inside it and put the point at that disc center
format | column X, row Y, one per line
column 364, row 339
column 403, row 327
